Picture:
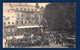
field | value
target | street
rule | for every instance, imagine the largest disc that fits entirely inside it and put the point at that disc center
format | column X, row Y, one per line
column 52, row 45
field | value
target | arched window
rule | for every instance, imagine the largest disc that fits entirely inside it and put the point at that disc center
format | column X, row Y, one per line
column 16, row 8
column 8, row 22
column 25, row 22
column 24, row 9
column 35, row 9
column 28, row 9
column 17, row 22
column 31, row 9
column 21, row 9
column 21, row 22
column 12, row 22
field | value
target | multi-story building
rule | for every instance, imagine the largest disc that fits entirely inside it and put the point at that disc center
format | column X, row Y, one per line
column 9, row 22
column 19, row 17
column 28, row 17
column 9, row 19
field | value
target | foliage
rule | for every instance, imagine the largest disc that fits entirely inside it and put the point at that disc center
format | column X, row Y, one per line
column 61, row 16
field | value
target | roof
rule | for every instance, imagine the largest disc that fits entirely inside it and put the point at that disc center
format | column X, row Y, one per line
column 19, row 4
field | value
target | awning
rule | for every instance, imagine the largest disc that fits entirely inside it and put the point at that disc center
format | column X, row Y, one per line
column 17, row 37
column 34, row 26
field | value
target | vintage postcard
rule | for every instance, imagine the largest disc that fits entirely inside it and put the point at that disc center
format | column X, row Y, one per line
column 39, row 25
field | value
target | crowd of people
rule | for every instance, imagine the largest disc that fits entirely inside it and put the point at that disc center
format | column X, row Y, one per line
column 39, row 40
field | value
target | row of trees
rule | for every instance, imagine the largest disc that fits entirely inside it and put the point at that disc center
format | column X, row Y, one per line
column 60, row 17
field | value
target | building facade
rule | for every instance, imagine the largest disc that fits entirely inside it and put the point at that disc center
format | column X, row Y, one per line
column 20, row 19
column 9, row 22
column 9, row 19
column 21, row 16
column 28, row 17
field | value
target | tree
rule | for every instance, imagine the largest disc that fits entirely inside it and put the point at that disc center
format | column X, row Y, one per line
column 60, row 16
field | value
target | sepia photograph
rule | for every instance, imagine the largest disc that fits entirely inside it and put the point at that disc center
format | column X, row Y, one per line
column 39, row 25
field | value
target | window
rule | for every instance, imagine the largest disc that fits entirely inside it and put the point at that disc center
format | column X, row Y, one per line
column 12, row 22
column 24, row 9
column 22, row 15
column 32, row 9
column 8, row 22
column 12, row 30
column 16, row 8
column 17, row 14
column 25, row 21
column 21, row 9
column 29, row 21
column 21, row 22
column 35, row 9
column 17, row 22
column 28, row 9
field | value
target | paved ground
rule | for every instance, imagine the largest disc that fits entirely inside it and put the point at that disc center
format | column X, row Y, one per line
column 52, row 45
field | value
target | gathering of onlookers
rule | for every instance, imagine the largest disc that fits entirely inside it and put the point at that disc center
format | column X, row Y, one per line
column 39, row 40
